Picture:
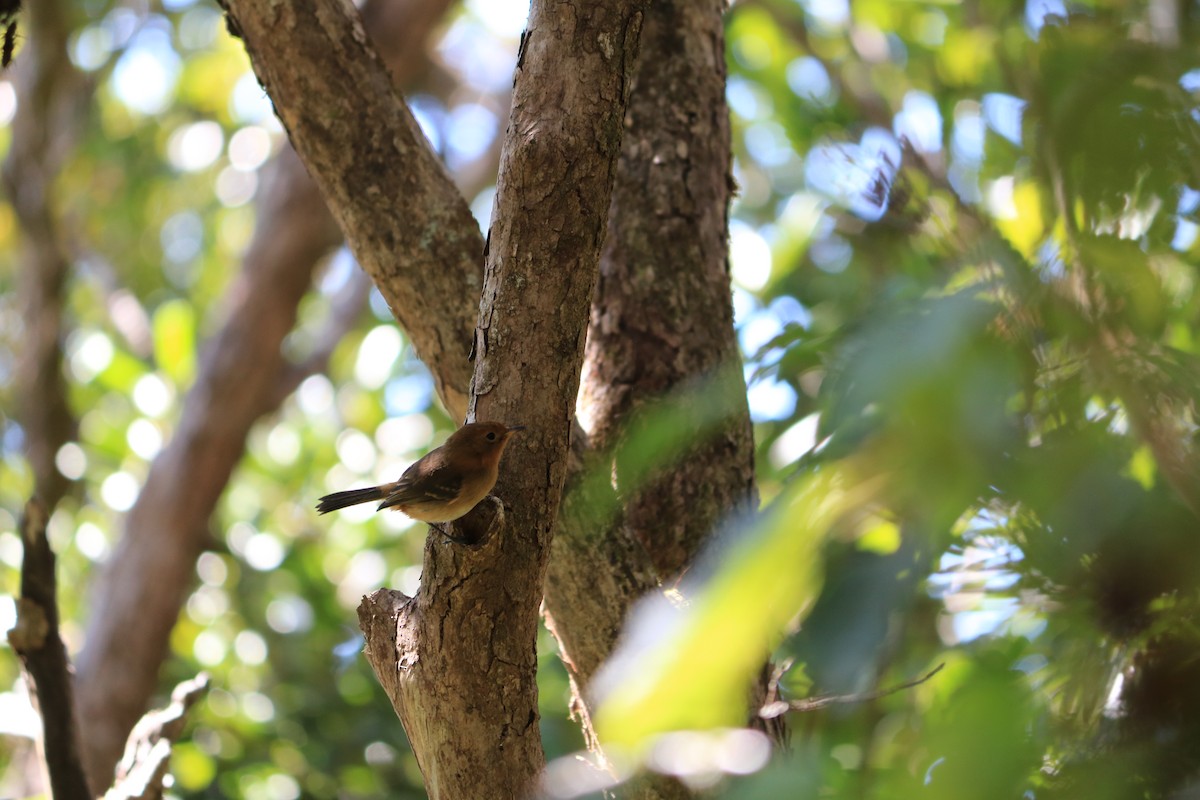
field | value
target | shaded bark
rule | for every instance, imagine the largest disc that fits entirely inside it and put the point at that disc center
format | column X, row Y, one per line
column 661, row 327
column 458, row 659
column 242, row 376
column 663, row 317
column 662, row 322
column 52, row 97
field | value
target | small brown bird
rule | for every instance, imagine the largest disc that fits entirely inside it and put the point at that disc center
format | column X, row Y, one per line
column 445, row 483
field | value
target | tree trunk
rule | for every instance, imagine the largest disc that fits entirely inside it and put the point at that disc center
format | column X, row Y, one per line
column 662, row 321
column 661, row 326
column 459, row 659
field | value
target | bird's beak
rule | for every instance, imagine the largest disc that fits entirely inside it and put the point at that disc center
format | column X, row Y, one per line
column 515, row 428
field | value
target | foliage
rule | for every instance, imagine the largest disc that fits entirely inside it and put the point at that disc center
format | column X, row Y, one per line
column 968, row 271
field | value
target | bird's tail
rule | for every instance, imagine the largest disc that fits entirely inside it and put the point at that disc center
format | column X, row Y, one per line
column 332, row 502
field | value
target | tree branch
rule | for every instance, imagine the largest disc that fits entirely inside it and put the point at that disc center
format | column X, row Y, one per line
column 44, row 657
column 407, row 225
column 52, row 97
column 779, row 707
column 147, row 579
column 148, row 752
column 149, row 575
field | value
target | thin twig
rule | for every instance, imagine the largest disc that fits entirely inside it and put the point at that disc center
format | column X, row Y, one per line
column 813, row 703
column 142, row 770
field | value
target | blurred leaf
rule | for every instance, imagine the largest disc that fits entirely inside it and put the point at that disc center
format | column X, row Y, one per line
column 805, row 350
column 879, row 536
column 1142, row 467
column 1120, row 130
column 980, row 741
column 966, row 55
column 122, row 372
column 192, row 767
column 1025, row 228
column 1133, row 290
column 175, row 340
column 930, row 384
column 767, row 580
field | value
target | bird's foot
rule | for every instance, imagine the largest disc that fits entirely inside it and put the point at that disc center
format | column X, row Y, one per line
column 477, row 526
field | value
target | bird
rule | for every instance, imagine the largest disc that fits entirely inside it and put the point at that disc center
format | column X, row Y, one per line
column 445, row 483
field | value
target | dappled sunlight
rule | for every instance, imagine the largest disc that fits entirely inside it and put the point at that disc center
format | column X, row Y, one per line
column 962, row 271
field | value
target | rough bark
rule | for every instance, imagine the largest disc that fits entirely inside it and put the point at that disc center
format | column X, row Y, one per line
column 52, row 96
column 663, row 317
column 662, row 321
column 44, row 657
column 240, row 378
column 407, row 225
column 458, row 659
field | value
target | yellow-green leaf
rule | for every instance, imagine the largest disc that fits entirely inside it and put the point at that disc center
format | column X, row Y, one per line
column 175, row 340
column 695, row 673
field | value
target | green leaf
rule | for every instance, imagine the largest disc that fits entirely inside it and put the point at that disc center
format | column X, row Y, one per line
column 696, row 673
column 175, row 340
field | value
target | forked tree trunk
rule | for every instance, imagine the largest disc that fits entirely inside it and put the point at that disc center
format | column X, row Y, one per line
column 458, row 660
column 462, row 670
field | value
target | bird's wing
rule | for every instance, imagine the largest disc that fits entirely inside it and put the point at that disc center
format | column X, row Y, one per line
column 423, row 484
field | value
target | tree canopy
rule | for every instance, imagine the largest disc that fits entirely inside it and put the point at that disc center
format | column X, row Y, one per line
column 962, row 254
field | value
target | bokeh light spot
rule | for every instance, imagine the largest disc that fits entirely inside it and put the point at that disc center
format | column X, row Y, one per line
column 193, row 147
column 119, row 491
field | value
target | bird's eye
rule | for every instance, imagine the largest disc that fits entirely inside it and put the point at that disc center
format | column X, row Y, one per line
column 491, row 437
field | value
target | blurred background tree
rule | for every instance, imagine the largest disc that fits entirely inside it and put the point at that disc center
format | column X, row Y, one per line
column 964, row 284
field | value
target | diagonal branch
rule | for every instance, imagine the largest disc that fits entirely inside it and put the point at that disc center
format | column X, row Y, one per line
column 775, row 709
column 147, row 759
column 406, row 224
column 150, row 572
column 145, row 584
